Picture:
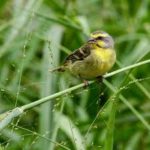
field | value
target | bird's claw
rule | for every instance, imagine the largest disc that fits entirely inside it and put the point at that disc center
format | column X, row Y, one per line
column 100, row 79
column 86, row 83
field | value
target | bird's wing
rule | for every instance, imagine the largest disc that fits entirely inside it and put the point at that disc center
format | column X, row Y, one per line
column 79, row 54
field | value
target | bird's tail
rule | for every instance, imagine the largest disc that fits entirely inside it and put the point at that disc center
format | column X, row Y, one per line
column 59, row 69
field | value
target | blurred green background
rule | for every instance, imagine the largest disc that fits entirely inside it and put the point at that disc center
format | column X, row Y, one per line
column 35, row 36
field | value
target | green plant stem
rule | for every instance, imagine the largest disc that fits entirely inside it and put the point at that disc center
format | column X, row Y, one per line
column 125, row 101
column 111, row 126
column 42, row 100
column 140, row 86
column 4, row 123
column 111, row 120
column 43, row 137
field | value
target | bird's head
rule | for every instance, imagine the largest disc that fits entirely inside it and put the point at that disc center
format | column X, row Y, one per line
column 102, row 39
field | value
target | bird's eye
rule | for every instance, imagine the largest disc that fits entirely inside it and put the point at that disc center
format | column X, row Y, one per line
column 99, row 38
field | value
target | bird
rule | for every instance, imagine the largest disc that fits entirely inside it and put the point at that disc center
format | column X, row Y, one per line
column 93, row 59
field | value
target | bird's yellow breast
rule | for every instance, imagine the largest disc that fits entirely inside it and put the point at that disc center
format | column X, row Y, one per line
column 103, row 60
column 96, row 64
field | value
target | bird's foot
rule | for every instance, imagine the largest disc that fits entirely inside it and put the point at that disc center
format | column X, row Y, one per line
column 86, row 83
column 100, row 79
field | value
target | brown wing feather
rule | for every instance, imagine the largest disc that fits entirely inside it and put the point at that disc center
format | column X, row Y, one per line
column 79, row 54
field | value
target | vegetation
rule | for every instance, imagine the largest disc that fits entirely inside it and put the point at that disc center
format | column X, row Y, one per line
column 36, row 35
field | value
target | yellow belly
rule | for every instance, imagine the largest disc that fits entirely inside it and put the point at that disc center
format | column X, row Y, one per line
column 96, row 64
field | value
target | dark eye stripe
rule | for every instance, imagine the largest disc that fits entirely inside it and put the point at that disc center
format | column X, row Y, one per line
column 100, row 38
